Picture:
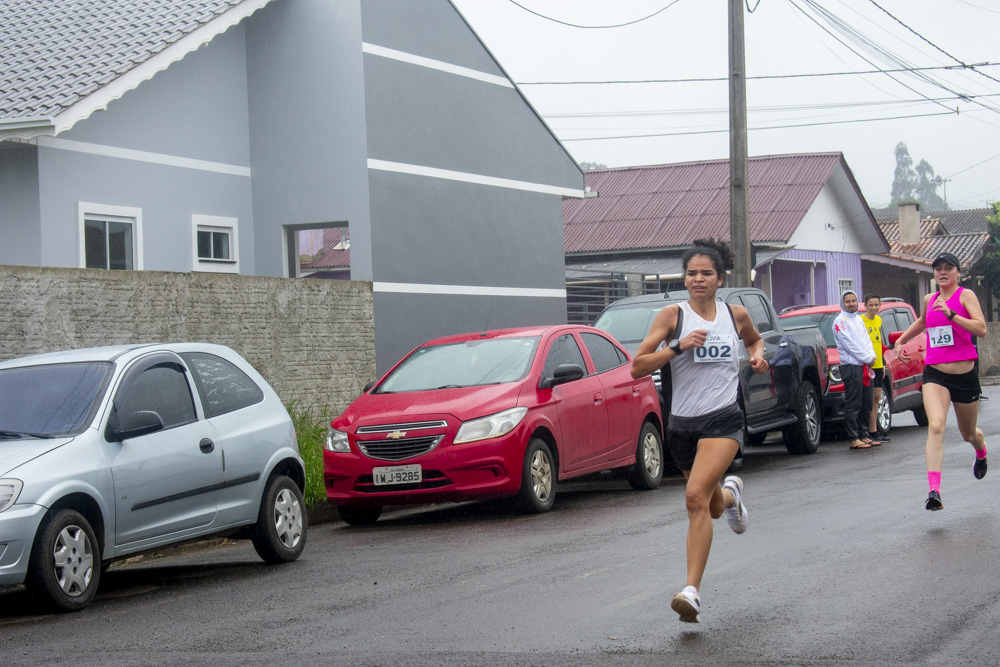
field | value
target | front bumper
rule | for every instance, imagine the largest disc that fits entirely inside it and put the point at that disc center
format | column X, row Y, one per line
column 474, row 470
column 18, row 526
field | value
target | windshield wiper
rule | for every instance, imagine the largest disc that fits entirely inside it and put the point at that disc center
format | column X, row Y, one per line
column 24, row 434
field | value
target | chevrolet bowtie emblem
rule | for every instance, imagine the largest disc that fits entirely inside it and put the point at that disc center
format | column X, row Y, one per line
column 396, row 435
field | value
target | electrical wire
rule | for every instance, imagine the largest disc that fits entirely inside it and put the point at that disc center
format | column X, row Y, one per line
column 594, row 27
column 751, row 78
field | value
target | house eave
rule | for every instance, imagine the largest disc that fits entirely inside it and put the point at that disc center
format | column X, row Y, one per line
column 100, row 98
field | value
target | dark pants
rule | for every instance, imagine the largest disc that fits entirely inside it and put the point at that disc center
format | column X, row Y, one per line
column 857, row 401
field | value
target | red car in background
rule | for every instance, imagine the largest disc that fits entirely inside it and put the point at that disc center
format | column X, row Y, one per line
column 903, row 380
column 492, row 414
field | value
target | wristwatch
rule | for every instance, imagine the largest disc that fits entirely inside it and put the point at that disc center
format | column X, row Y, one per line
column 951, row 314
column 675, row 345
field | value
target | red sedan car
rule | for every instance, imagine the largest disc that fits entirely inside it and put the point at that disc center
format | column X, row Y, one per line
column 492, row 414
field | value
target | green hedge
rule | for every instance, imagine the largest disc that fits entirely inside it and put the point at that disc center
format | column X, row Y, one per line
column 310, row 431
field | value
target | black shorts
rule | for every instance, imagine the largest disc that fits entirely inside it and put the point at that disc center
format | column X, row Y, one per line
column 685, row 432
column 963, row 387
column 876, row 382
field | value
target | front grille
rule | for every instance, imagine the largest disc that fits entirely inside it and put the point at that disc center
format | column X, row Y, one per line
column 398, row 450
column 408, row 426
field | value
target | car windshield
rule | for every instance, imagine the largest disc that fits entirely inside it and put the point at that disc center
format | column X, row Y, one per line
column 467, row 364
column 50, row 400
column 823, row 321
column 629, row 326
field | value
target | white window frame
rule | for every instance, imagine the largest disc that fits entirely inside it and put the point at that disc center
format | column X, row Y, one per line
column 127, row 214
column 844, row 284
column 216, row 223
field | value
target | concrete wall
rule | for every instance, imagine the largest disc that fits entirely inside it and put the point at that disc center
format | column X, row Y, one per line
column 313, row 340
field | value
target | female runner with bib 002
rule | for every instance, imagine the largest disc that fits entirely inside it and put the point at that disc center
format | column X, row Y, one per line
column 705, row 421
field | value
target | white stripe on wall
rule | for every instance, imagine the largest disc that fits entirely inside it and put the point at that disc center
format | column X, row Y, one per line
column 465, row 177
column 467, row 290
column 439, row 65
column 143, row 156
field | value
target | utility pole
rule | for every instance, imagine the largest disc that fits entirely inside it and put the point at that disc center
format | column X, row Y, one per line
column 739, row 230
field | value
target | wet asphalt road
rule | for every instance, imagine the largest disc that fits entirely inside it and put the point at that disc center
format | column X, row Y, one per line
column 841, row 565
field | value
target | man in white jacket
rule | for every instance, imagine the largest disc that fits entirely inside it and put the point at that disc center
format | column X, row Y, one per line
column 855, row 348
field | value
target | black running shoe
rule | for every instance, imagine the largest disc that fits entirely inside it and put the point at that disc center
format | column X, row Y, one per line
column 979, row 469
column 934, row 501
column 884, row 438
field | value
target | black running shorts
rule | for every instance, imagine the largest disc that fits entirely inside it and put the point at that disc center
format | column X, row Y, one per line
column 685, row 432
column 963, row 387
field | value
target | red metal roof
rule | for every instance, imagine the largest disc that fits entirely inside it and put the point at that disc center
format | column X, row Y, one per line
column 329, row 257
column 934, row 240
column 670, row 205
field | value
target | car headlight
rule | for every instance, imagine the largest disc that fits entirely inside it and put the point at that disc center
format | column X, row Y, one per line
column 493, row 426
column 10, row 489
column 835, row 373
column 336, row 441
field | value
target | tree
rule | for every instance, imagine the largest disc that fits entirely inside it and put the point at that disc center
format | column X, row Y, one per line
column 920, row 183
column 587, row 166
column 991, row 256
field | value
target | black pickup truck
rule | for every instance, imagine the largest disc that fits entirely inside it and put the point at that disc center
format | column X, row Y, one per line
column 788, row 397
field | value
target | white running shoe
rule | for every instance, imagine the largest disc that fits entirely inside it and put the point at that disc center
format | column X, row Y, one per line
column 688, row 605
column 737, row 515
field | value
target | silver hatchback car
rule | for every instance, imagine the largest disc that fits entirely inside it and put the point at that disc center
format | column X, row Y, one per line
column 107, row 452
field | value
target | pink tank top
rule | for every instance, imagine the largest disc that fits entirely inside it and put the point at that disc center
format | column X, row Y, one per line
column 946, row 341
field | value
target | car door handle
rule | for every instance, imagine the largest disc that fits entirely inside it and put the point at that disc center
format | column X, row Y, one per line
column 206, row 445
column 598, row 398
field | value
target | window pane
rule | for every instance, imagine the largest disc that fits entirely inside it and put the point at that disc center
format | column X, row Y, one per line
column 94, row 244
column 564, row 350
column 602, row 351
column 120, row 246
column 204, row 245
column 162, row 389
column 223, row 387
column 52, row 399
column 220, row 245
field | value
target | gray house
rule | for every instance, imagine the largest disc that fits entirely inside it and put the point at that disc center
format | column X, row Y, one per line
column 205, row 135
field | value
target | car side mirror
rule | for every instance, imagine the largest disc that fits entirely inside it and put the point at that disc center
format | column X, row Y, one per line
column 369, row 386
column 564, row 373
column 135, row 424
column 894, row 336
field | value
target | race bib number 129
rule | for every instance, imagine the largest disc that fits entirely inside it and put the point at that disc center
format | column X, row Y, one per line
column 941, row 336
column 717, row 348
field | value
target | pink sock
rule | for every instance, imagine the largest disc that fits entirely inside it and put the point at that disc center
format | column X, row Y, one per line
column 981, row 453
column 934, row 479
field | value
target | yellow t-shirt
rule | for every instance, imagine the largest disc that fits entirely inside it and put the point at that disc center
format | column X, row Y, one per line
column 875, row 333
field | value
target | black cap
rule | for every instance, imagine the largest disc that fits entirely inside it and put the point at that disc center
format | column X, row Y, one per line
column 946, row 257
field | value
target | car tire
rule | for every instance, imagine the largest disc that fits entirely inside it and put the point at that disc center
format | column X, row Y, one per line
column 538, row 479
column 279, row 536
column 883, row 418
column 359, row 516
column 802, row 436
column 647, row 472
column 920, row 415
column 64, row 569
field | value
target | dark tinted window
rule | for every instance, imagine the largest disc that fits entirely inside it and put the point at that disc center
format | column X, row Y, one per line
column 54, row 399
column 629, row 325
column 904, row 318
column 222, row 386
column 162, row 389
column 605, row 354
column 564, row 350
column 824, row 321
column 759, row 312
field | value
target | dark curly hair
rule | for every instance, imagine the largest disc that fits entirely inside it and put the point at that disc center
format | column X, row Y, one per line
column 717, row 251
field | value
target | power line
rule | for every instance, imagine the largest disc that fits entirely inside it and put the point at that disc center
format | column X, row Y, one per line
column 753, row 129
column 761, row 77
column 930, row 42
column 594, row 27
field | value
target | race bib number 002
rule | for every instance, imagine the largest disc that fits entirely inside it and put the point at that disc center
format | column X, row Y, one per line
column 941, row 336
column 717, row 348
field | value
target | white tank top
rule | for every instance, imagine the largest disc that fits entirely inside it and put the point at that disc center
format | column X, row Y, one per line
column 706, row 378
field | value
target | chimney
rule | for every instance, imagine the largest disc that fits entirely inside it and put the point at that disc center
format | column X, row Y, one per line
column 909, row 223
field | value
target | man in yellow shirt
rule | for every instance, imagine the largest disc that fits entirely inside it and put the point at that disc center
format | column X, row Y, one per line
column 874, row 325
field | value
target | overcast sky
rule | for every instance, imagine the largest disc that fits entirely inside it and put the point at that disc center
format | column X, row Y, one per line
column 688, row 39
